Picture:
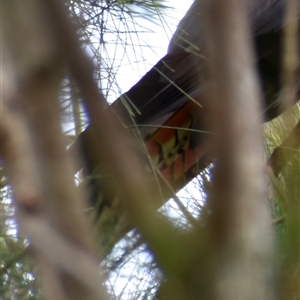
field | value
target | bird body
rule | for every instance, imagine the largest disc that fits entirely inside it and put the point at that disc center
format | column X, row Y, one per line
column 169, row 104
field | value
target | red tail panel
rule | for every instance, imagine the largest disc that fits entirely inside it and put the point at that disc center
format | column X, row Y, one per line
column 171, row 147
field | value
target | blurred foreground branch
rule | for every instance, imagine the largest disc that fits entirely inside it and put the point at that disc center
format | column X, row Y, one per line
column 241, row 223
column 49, row 206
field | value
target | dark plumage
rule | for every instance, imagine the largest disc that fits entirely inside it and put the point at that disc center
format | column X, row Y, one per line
column 167, row 89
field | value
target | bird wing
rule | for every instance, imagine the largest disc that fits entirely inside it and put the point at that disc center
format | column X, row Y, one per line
column 181, row 75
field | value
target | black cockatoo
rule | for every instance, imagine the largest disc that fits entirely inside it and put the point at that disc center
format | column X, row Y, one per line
column 167, row 97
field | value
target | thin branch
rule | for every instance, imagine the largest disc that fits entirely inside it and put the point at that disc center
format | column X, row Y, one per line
column 113, row 145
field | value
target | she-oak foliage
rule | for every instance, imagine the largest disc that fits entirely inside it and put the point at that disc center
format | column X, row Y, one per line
column 18, row 277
